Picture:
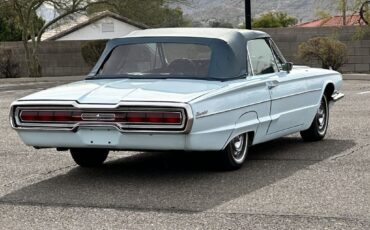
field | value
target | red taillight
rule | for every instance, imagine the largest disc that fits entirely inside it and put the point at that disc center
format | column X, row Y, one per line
column 154, row 117
column 45, row 116
column 76, row 116
column 135, row 117
column 132, row 117
column 49, row 116
column 62, row 116
column 172, row 118
column 29, row 116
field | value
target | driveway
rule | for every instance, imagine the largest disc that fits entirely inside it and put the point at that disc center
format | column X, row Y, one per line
column 286, row 183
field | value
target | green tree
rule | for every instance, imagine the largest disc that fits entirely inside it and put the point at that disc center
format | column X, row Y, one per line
column 365, row 14
column 322, row 14
column 33, row 28
column 217, row 24
column 173, row 18
column 9, row 29
column 274, row 19
column 347, row 8
column 92, row 50
column 343, row 7
column 154, row 13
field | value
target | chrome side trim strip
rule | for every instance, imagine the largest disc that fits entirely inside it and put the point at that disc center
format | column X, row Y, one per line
column 296, row 126
column 296, row 94
column 314, row 76
column 253, row 83
column 229, row 110
column 261, row 102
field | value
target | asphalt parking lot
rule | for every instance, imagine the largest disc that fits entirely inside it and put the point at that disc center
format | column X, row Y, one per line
column 286, row 184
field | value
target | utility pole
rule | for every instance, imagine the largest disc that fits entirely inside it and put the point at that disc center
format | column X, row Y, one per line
column 248, row 15
column 344, row 11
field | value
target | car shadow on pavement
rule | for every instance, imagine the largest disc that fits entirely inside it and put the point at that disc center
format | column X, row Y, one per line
column 177, row 182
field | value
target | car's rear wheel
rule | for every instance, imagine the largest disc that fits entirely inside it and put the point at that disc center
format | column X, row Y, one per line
column 235, row 153
column 89, row 158
column 319, row 126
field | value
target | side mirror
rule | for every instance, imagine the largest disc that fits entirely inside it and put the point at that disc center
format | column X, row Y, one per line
column 288, row 66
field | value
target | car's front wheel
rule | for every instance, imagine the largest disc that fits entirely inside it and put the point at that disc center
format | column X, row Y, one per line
column 89, row 158
column 235, row 153
column 319, row 126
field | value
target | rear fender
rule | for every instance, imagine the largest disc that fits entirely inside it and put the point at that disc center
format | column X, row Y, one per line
column 247, row 123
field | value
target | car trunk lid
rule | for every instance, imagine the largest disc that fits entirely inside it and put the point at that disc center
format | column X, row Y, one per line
column 110, row 91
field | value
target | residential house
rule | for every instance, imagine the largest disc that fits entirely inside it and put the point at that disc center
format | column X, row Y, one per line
column 104, row 25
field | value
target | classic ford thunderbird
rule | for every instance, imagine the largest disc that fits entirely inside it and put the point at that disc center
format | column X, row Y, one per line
column 218, row 90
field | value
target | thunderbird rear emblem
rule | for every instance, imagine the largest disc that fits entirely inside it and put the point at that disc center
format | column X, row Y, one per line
column 98, row 116
column 199, row 114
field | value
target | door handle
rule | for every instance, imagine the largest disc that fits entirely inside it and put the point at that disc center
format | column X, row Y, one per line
column 272, row 84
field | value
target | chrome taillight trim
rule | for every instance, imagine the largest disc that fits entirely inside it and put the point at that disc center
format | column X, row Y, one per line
column 183, row 108
column 19, row 110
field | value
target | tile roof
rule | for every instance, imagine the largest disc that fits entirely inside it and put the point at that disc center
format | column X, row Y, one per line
column 352, row 20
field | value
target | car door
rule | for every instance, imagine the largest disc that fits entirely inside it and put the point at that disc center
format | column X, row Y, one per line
column 285, row 88
column 262, row 70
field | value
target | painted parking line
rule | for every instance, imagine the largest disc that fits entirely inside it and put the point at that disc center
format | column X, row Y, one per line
column 8, row 91
column 22, row 90
column 362, row 93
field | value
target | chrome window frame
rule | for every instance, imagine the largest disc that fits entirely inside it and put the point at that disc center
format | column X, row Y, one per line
column 267, row 40
column 250, row 67
column 277, row 54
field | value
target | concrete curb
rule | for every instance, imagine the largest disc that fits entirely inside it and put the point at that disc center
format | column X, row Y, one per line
column 41, row 79
column 359, row 77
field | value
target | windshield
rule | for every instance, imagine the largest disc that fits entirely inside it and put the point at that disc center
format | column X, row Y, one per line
column 158, row 60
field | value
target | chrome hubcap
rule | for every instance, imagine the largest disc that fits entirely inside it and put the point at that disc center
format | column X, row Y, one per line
column 239, row 148
column 322, row 116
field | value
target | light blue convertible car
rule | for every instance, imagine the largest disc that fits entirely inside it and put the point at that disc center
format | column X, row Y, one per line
column 219, row 90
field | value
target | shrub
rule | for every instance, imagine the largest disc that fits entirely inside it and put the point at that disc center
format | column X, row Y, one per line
column 273, row 20
column 218, row 24
column 91, row 51
column 329, row 51
column 8, row 67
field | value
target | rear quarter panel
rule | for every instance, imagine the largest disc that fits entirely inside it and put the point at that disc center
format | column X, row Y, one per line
column 242, row 106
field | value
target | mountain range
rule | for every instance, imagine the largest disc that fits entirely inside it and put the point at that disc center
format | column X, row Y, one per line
column 204, row 11
column 201, row 12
